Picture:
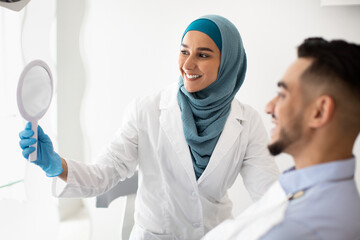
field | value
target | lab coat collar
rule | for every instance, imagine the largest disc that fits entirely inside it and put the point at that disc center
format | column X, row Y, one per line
column 171, row 123
column 169, row 100
column 169, row 97
column 229, row 135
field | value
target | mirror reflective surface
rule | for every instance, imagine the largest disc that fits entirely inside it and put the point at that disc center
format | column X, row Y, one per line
column 34, row 94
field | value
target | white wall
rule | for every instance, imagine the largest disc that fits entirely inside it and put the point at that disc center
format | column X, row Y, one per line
column 130, row 48
column 27, row 205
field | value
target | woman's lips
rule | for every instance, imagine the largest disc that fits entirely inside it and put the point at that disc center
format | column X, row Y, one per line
column 192, row 77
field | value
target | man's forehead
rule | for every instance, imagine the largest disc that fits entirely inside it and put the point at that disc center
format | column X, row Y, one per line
column 293, row 74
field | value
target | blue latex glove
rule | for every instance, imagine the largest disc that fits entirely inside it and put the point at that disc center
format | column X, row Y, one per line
column 47, row 159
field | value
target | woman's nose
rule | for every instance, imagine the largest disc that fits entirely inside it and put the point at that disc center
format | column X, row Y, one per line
column 189, row 63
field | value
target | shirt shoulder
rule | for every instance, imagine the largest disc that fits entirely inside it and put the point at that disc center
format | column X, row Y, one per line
column 331, row 209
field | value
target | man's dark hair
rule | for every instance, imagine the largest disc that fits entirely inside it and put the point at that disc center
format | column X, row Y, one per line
column 336, row 65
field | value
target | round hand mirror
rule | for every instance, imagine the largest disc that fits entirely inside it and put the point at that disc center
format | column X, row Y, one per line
column 34, row 93
column 15, row 5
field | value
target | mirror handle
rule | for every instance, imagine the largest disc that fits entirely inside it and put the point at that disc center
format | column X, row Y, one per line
column 34, row 127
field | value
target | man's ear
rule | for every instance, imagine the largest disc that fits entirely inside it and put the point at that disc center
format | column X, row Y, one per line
column 322, row 111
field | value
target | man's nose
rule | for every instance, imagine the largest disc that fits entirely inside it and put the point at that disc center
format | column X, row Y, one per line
column 269, row 108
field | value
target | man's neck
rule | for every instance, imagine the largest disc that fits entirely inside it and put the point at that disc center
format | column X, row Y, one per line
column 322, row 151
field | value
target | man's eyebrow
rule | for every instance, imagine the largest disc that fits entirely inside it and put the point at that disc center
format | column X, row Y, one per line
column 199, row 48
column 281, row 84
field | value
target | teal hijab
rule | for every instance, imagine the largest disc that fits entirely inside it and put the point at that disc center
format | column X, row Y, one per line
column 205, row 112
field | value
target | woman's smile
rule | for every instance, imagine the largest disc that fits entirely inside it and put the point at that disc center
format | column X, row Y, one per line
column 192, row 77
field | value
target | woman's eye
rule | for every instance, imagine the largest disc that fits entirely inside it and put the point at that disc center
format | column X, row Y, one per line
column 183, row 52
column 203, row 55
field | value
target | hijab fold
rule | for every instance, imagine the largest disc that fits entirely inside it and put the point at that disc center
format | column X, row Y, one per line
column 205, row 112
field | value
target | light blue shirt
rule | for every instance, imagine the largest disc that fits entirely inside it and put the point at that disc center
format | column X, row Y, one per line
column 329, row 209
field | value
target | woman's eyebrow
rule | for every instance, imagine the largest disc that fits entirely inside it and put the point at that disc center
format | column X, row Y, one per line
column 204, row 49
column 199, row 48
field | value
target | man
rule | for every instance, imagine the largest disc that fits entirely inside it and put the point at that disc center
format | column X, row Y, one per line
column 317, row 119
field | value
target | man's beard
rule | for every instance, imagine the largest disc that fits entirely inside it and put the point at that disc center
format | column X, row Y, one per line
column 286, row 138
column 277, row 147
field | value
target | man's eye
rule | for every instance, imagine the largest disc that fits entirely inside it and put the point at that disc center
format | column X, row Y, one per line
column 281, row 95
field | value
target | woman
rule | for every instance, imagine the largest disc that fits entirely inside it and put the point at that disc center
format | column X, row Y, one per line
column 189, row 141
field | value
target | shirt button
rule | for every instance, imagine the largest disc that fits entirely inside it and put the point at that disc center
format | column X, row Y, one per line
column 196, row 225
column 194, row 194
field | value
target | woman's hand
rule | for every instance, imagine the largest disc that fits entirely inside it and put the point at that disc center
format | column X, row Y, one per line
column 47, row 158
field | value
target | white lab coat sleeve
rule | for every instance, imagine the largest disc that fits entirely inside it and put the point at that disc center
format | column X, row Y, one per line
column 291, row 229
column 117, row 162
column 259, row 170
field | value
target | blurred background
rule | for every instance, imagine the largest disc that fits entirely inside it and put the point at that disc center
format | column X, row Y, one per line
column 105, row 53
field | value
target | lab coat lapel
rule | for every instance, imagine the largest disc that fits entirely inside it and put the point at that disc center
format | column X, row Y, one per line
column 171, row 123
column 231, row 132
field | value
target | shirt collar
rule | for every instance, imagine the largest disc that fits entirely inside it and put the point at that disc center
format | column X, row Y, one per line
column 293, row 180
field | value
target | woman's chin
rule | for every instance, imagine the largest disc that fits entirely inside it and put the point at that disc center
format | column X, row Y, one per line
column 190, row 89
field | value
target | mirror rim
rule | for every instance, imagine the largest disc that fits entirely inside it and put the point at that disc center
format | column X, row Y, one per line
column 21, row 107
column 15, row 6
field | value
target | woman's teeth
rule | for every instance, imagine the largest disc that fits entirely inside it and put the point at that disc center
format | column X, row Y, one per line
column 193, row 76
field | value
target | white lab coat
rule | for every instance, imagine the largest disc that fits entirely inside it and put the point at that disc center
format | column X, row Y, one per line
column 256, row 220
column 170, row 203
